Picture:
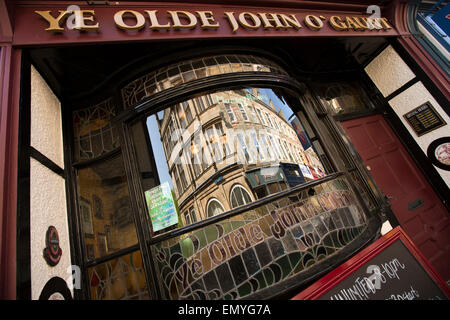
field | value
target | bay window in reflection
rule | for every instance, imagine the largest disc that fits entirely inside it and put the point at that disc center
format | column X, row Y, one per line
column 224, row 149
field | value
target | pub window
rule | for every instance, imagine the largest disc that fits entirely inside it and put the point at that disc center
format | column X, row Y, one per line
column 175, row 176
column 108, row 232
column 213, row 156
column 344, row 98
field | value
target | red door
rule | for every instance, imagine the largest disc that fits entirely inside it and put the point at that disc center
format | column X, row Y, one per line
column 417, row 208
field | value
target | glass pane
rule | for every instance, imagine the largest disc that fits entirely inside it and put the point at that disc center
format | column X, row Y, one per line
column 171, row 76
column 94, row 135
column 105, row 208
column 252, row 251
column 122, row 278
column 225, row 157
column 344, row 98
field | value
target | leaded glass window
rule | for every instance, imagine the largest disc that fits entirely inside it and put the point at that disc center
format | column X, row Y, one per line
column 94, row 134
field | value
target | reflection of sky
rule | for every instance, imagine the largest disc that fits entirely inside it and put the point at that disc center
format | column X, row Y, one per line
column 158, row 151
column 268, row 94
column 155, row 138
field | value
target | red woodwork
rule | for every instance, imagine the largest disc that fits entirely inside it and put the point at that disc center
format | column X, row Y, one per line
column 333, row 278
column 9, row 130
column 30, row 27
column 402, row 182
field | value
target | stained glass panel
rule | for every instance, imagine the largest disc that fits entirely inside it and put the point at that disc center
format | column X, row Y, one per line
column 250, row 252
column 122, row 278
column 172, row 76
column 94, row 135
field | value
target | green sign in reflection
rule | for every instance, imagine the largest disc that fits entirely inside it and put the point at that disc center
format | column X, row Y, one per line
column 161, row 207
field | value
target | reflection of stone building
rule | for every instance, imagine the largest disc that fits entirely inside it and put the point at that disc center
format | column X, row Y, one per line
column 229, row 148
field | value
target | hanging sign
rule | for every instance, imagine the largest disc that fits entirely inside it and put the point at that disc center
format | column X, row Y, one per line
column 161, row 207
column 392, row 268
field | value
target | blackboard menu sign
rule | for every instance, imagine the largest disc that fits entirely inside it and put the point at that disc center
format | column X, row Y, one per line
column 392, row 268
column 424, row 119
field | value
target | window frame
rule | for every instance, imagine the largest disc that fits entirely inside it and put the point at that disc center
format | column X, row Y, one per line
column 169, row 97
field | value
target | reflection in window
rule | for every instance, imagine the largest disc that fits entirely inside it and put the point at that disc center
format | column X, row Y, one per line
column 243, row 112
column 105, row 208
column 214, row 208
column 230, row 145
column 121, row 278
column 239, row 196
column 94, row 135
column 230, row 113
column 344, row 98
column 190, row 216
column 171, row 76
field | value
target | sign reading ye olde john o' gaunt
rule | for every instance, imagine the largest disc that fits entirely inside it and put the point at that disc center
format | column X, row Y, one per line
column 133, row 20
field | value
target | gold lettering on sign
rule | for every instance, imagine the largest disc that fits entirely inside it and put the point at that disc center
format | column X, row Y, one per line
column 154, row 23
column 207, row 19
column 140, row 20
column 279, row 21
column 267, row 21
column 131, row 20
column 352, row 24
column 232, row 21
column 313, row 22
column 176, row 15
column 337, row 24
column 384, row 22
column 255, row 21
column 54, row 23
column 290, row 21
column 81, row 16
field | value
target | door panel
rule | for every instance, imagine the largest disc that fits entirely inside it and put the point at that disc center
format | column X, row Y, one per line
column 418, row 209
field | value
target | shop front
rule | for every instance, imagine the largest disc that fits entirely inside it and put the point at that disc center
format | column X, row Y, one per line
column 233, row 152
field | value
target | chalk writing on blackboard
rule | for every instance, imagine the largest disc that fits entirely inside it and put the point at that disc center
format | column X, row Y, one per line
column 393, row 274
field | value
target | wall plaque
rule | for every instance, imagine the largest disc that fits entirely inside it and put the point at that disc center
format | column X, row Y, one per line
column 52, row 251
column 424, row 119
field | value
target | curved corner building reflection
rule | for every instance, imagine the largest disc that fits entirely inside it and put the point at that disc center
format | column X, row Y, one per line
column 227, row 194
column 226, row 149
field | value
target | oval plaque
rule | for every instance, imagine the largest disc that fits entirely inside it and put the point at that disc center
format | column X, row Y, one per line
column 52, row 251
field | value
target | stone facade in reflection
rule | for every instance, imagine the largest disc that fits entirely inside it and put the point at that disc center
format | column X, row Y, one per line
column 230, row 148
